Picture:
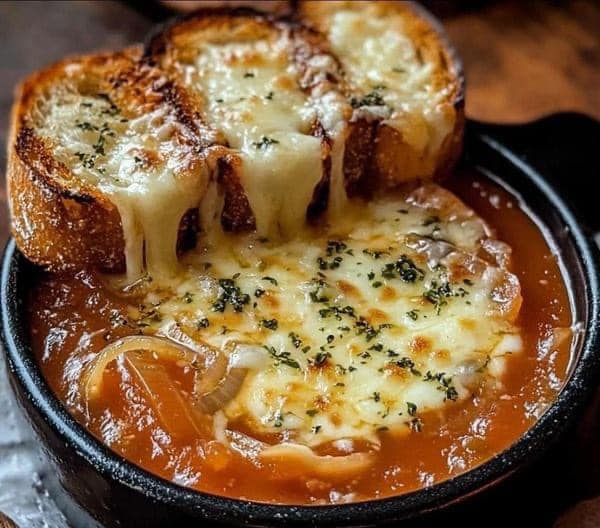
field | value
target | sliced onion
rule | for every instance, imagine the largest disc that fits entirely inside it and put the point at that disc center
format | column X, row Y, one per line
column 242, row 358
column 303, row 458
column 215, row 363
column 178, row 418
column 161, row 347
column 217, row 380
column 249, row 356
column 224, row 392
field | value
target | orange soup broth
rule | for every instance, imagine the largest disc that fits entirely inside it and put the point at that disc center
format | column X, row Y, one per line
column 71, row 321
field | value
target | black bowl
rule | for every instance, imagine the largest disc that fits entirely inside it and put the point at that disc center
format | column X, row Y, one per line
column 102, row 488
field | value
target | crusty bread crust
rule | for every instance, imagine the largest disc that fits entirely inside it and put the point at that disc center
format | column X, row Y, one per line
column 386, row 157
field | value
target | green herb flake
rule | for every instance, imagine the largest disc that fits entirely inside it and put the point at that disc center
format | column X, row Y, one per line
column 265, row 142
column 230, row 294
column 203, row 323
column 282, row 358
column 270, row 324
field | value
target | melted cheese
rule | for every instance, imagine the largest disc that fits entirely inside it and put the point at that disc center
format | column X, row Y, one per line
column 139, row 163
column 252, row 94
column 380, row 59
column 368, row 324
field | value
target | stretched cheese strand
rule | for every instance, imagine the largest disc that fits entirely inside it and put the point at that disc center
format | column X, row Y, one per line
column 153, row 196
column 252, row 94
column 150, row 216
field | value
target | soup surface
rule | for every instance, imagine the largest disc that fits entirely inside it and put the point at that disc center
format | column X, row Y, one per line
column 370, row 357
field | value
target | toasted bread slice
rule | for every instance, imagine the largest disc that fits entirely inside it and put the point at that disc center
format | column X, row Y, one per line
column 229, row 116
column 271, row 91
column 406, row 86
column 101, row 152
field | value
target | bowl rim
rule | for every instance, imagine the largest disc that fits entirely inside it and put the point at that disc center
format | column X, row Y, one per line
column 557, row 418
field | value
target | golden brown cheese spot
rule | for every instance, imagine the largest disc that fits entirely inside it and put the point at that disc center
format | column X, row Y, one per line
column 271, row 300
column 388, row 294
column 147, row 158
column 321, row 402
column 322, row 366
column 355, row 349
column 376, row 316
column 396, row 371
column 442, row 355
column 348, row 289
column 467, row 324
column 336, row 419
column 420, row 345
column 285, row 82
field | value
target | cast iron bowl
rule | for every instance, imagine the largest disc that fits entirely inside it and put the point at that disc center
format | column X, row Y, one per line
column 101, row 488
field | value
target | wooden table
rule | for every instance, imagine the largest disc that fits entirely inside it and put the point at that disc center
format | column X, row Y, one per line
column 522, row 60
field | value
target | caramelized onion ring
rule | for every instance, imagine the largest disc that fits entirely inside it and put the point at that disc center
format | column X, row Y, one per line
column 215, row 385
column 321, row 466
column 223, row 393
column 163, row 348
column 215, row 362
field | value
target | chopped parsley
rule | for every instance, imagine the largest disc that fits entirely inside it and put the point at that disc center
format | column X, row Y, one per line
column 370, row 332
column 437, row 294
column 230, row 294
column 407, row 363
column 296, row 341
column 373, row 98
column 282, row 358
column 337, row 312
column 335, row 246
column 265, row 141
column 332, row 264
column 270, row 324
column 320, row 358
column 375, row 253
column 404, row 269
column 413, row 314
column 444, row 384
column 411, row 408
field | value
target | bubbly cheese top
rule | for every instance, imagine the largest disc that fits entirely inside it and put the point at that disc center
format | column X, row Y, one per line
column 362, row 325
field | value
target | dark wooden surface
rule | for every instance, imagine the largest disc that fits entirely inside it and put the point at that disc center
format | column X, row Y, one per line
column 522, row 60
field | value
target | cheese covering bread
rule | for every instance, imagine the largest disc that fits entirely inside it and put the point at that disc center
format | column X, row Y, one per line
column 404, row 82
column 243, row 120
